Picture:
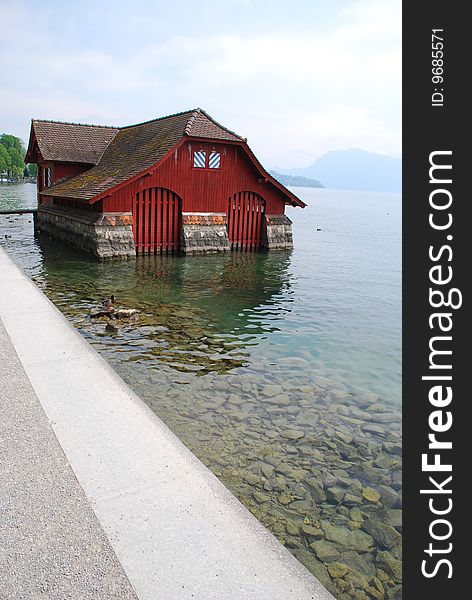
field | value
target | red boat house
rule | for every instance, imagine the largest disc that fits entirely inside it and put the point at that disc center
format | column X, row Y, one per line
column 182, row 183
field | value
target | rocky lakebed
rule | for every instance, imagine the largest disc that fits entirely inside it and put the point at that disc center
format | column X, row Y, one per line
column 316, row 460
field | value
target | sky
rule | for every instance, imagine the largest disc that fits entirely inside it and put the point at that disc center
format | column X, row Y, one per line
column 296, row 78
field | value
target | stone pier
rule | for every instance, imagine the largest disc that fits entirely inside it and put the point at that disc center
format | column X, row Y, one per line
column 204, row 233
column 110, row 235
column 105, row 235
column 278, row 232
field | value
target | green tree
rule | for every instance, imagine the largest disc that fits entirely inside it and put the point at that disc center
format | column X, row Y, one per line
column 11, row 141
column 5, row 160
column 32, row 170
column 17, row 163
column 12, row 152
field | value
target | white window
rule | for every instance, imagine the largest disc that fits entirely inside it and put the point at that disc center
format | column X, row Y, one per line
column 47, row 177
column 214, row 161
column 199, row 159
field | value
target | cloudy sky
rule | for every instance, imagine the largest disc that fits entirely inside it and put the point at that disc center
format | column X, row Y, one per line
column 296, row 78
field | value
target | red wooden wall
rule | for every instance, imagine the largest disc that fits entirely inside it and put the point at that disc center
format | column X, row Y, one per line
column 67, row 170
column 202, row 190
column 59, row 172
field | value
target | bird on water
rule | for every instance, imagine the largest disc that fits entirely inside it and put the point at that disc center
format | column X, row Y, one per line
column 108, row 302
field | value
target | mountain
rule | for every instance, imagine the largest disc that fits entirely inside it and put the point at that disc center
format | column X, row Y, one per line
column 296, row 180
column 354, row 170
column 294, row 159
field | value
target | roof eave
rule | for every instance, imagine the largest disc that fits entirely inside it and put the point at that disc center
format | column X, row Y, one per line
column 291, row 198
column 199, row 138
column 32, row 140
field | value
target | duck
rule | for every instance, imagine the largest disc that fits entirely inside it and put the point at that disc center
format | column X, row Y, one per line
column 108, row 303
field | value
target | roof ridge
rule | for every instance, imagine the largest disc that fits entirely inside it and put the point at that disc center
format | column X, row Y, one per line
column 192, row 116
column 191, row 121
column 71, row 123
column 214, row 121
column 158, row 119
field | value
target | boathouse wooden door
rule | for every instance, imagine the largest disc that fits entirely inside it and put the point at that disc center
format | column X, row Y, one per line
column 156, row 221
column 245, row 220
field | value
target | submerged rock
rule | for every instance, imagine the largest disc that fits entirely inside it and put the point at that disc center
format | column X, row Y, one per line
column 260, row 498
column 272, row 390
column 251, row 478
column 352, row 499
column 267, row 470
column 292, row 528
column 285, row 498
column 315, row 488
column 370, row 494
column 389, row 564
column 388, row 496
column 392, row 516
column 337, row 569
column 292, row 434
column 335, row 494
column 314, row 532
column 383, row 534
column 356, row 514
column 324, row 549
column 347, row 539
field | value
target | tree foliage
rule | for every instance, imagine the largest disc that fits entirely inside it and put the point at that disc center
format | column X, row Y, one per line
column 12, row 154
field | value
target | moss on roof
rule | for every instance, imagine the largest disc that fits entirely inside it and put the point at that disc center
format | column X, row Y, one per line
column 135, row 148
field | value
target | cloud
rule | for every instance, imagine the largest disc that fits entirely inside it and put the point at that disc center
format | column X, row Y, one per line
column 305, row 88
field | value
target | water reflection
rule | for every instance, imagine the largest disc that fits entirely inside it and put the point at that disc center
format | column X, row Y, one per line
column 200, row 315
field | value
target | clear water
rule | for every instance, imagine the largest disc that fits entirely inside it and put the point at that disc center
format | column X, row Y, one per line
column 281, row 371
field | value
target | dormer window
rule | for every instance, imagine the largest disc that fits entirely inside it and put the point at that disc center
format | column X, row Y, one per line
column 199, row 159
column 47, row 177
column 214, row 160
column 206, row 160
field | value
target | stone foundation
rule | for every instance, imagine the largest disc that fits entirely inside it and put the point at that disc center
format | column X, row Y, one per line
column 204, row 233
column 105, row 235
column 110, row 235
column 278, row 233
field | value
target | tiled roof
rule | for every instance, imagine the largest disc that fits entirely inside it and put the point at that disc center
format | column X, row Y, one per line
column 136, row 148
column 72, row 142
column 200, row 124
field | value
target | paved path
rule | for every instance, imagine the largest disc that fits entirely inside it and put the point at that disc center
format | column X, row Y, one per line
column 51, row 543
column 98, row 498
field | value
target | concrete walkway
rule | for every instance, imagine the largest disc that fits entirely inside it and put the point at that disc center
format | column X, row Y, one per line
column 52, row 545
column 98, row 498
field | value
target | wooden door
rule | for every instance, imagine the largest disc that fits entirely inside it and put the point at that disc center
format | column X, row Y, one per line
column 246, row 221
column 156, row 217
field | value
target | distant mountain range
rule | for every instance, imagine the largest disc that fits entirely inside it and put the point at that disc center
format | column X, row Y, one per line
column 352, row 170
column 296, row 180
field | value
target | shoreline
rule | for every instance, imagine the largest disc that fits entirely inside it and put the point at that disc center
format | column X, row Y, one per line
column 116, row 447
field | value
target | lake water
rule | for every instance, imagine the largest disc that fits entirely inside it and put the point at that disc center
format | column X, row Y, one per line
column 280, row 371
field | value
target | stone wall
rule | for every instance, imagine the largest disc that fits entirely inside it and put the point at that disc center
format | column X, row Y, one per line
column 204, row 233
column 278, row 233
column 108, row 235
